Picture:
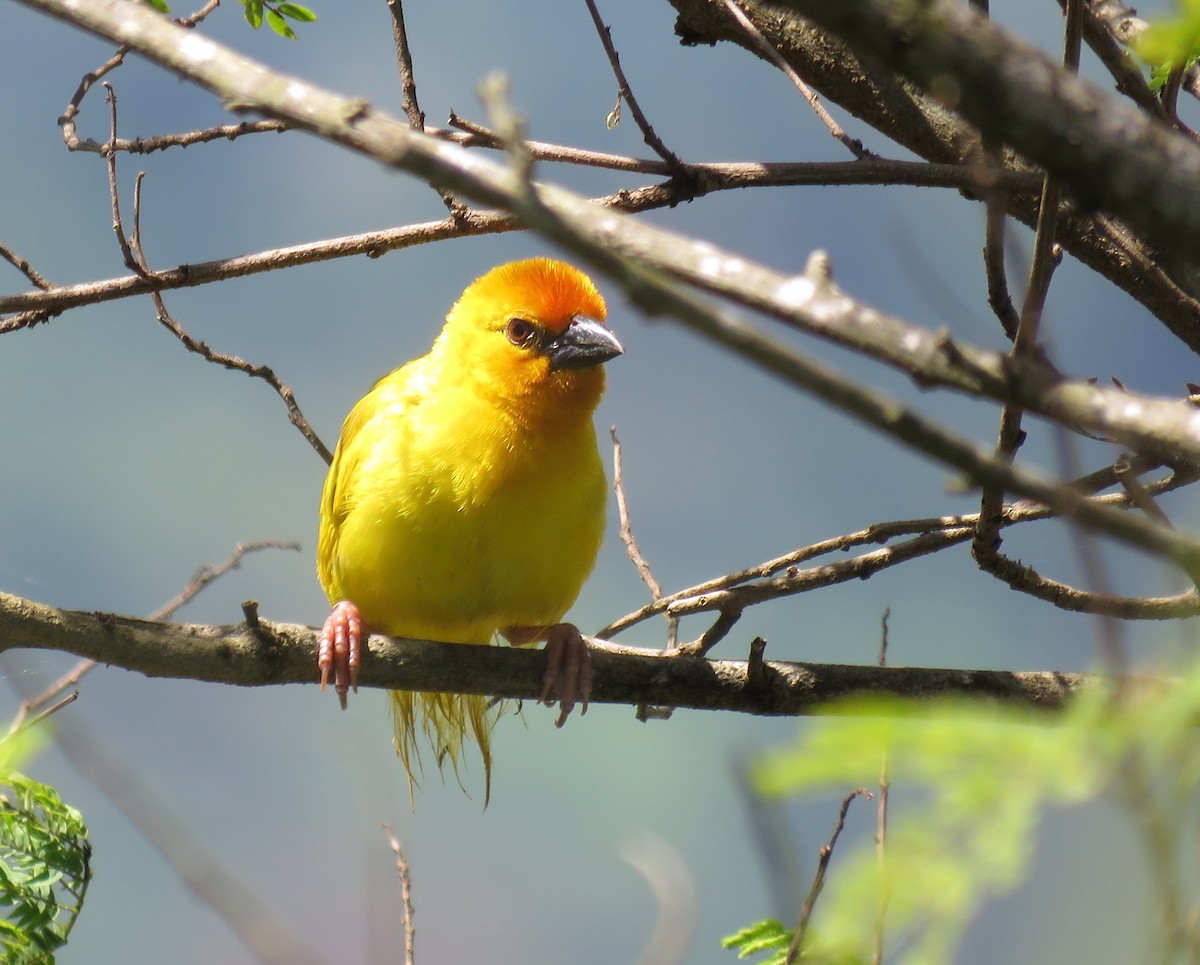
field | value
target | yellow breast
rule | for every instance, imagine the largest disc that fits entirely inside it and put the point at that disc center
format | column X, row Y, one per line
column 448, row 517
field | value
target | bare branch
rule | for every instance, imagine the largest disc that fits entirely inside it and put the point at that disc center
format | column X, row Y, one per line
column 852, row 144
column 204, row 576
column 625, row 93
column 114, row 193
column 1102, row 146
column 826, row 852
column 405, row 895
column 713, row 177
column 66, row 121
column 135, row 258
column 24, row 268
column 918, row 121
column 277, row 653
column 209, row 573
column 985, row 547
column 408, row 86
column 933, row 535
column 881, row 816
column 632, row 550
column 236, row 364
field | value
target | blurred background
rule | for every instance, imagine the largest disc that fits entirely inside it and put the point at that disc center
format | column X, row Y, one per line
column 127, row 462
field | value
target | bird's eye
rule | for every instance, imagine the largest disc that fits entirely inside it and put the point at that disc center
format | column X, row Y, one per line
column 520, row 331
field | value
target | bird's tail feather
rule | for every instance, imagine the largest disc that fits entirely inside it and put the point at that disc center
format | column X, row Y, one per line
column 444, row 721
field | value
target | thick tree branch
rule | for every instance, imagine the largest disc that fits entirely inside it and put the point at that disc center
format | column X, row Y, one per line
column 1112, row 155
column 907, row 114
column 278, row 653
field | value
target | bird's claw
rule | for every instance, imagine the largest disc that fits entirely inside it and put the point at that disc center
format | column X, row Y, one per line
column 569, row 663
column 340, row 649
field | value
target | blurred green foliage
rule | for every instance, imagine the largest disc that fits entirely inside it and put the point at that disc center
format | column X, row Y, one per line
column 1171, row 43
column 975, row 781
column 45, row 862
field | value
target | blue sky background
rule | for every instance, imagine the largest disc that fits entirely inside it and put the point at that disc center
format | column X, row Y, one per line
column 128, row 462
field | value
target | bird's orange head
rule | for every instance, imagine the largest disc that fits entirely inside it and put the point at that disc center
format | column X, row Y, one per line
column 532, row 334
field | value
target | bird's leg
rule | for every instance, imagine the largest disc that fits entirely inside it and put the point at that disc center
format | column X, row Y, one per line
column 340, row 649
column 567, row 661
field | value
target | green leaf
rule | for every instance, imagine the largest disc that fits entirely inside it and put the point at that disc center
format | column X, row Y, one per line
column 768, row 935
column 253, row 12
column 296, row 12
column 1169, row 43
column 44, row 869
column 279, row 25
column 159, row 5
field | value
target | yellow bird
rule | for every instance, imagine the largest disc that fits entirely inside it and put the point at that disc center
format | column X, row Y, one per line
column 466, row 497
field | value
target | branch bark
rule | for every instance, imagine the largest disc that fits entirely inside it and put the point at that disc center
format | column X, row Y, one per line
column 960, row 75
column 279, row 653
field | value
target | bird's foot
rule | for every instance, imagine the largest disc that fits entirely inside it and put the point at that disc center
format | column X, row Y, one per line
column 340, row 649
column 568, row 663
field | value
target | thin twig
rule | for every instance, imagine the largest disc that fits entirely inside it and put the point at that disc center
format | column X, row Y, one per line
column 714, row 177
column 1169, row 96
column 1139, row 495
column 781, row 575
column 727, row 617
column 25, row 319
column 232, row 362
column 818, row 883
column 994, row 267
column 510, row 126
column 21, row 722
column 408, row 88
column 996, row 203
column 405, row 895
column 204, row 576
column 114, row 193
column 24, row 267
column 625, row 93
column 881, row 814
column 408, row 84
column 66, row 120
column 627, row 538
column 208, row 573
column 852, row 144
column 65, row 682
column 644, row 711
column 163, row 142
column 986, row 545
